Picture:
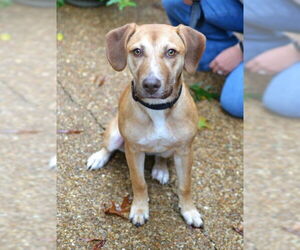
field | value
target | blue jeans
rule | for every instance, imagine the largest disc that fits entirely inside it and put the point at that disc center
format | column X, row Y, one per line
column 232, row 95
column 282, row 95
column 266, row 23
column 265, row 28
column 219, row 36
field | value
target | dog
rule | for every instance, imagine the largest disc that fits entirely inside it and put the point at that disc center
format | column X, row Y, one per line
column 156, row 113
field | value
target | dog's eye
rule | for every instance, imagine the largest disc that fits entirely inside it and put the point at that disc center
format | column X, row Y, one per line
column 171, row 52
column 137, row 52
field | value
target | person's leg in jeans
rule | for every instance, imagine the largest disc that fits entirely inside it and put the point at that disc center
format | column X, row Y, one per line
column 232, row 95
column 282, row 95
column 178, row 12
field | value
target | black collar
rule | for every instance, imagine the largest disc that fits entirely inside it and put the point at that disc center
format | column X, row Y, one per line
column 159, row 106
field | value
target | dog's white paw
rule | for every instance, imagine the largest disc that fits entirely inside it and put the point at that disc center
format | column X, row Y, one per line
column 98, row 159
column 193, row 218
column 53, row 162
column 161, row 174
column 139, row 215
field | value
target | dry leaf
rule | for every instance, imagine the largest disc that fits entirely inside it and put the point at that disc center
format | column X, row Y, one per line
column 119, row 210
column 294, row 229
column 114, row 210
column 18, row 131
column 99, row 80
column 5, row 37
column 69, row 131
column 239, row 229
column 125, row 206
column 203, row 123
column 59, row 37
column 91, row 240
column 99, row 245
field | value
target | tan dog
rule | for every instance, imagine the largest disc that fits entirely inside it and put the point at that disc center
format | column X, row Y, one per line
column 157, row 114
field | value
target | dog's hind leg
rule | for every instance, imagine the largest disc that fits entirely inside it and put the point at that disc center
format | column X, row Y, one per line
column 160, row 170
column 112, row 141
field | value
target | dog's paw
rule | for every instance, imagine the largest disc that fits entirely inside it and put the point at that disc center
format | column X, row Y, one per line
column 161, row 174
column 98, row 159
column 53, row 162
column 139, row 215
column 193, row 218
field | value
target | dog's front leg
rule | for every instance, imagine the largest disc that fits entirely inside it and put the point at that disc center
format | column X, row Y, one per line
column 139, row 212
column 183, row 164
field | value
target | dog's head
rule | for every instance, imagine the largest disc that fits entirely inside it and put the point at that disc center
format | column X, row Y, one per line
column 156, row 55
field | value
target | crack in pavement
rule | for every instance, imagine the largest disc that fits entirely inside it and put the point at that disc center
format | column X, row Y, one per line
column 67, row 93
column 211, row 241
column 16, row 93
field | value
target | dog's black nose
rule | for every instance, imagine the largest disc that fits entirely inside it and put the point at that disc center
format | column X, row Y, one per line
column 151, row 84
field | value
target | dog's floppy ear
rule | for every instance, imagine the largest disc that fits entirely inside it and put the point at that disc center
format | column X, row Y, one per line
column 116, row 41
column 194, row 42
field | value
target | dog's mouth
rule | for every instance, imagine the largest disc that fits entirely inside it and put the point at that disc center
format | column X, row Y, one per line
column 161, row 95
column 164, row 95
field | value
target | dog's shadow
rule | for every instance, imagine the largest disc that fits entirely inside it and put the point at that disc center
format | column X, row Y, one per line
column 119, row 169
column 118, row 158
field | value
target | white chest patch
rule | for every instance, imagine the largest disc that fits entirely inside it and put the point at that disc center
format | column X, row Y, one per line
column 160, row 136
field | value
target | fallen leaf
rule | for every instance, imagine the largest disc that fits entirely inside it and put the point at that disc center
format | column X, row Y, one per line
column 202, row 123
column 203, row 93
column 99, row 245
column 5, row 37
column 113, row 210
column 69, row 131
column 18, row 131
column 119, row 210
column 59, row 37
column 99, row 80
column 125, row 206
column 239, row 229
column 294, row 229
column 91, row 240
